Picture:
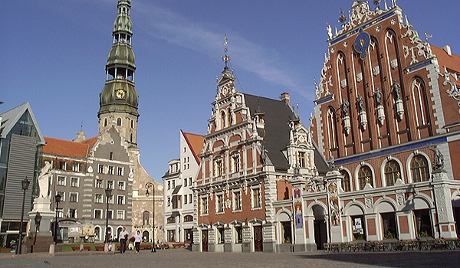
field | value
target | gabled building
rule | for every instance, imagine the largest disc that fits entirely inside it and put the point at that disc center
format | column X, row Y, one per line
column 21, row 143
column 256, row 154
column 178, row 190
column 386, row 114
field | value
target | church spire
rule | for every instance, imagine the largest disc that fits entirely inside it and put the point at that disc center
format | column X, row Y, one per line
column 119, row 99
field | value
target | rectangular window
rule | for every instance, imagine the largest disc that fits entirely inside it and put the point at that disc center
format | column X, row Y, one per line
column 219, row 203
column 98, row 214
column 62, row 165
column 98, row 198
column 120, row 214
column 204, row 205
column 171, row 234
column 72, row 213
column 110, row 184
column 302, row 160
column 111, row 155
column 190, row 181
column 190, row 198
column 74, row 182
column 173, row 184
column 121, row 185
column 185, row 182
column 169, row 185
column 62, row 194
column 218, row 167
column 169, row 201
column 177, row 202
column 73, row 197
column 119, row 171
column 109, row 214
column 61, row 180
column 100, row 169
column 238, row 234
column 111, row 170
column 121, row 200
column 256, row 198
column 76, row 167
column 185, row 199
column 220, row 235
column 59, row 212
column 237, row 200
column 110, row 199
column 98, row 183
column 236, row 163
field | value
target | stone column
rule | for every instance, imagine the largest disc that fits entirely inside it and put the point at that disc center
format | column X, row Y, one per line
column 443, row 203
column 334, row 182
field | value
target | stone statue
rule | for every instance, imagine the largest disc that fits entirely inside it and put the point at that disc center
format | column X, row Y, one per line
column 360, row 103
column 344, row 108
column 396, row 88
column 44, row 180
column 378, row 97
column 438, row 162
column 329, row 31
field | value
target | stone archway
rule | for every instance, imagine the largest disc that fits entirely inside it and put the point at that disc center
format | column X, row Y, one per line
column 320, row 226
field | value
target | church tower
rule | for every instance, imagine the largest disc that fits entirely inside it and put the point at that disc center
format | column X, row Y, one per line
column 119, row 99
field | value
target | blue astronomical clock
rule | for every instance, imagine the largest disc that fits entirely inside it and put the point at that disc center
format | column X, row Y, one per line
column 361, row 44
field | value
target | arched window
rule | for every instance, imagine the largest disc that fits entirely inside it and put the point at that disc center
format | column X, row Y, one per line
column 230, row 119
column 364, row 176
column 188, row 218
column 345, row 181
column 222, row 120
column 145, row 218
column 97, row 233
column 419, row 169
column 422, row 118
column 392, row 172
column 118, row 121
column 332, row 130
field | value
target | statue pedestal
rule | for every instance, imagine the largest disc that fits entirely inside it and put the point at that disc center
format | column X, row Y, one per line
column 41, row 234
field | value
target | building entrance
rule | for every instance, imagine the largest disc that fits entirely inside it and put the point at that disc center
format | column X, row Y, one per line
column 258, row 240
column 319, row 227
column 204, row 240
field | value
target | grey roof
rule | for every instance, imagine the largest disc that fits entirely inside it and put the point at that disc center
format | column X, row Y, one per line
column 277, row 117
column 10, row 117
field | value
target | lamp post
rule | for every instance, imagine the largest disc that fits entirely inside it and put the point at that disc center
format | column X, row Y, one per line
column 108, row 193
column 148, row 186
column 25, row 184
column 57, row 199
column 38, row 219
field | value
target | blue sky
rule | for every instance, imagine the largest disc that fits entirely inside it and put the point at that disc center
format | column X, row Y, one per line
column 53, row 54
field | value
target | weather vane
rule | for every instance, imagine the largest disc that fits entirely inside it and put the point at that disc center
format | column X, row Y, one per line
column 226, row 58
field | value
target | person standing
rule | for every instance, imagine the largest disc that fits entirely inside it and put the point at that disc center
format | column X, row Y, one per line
column 123, row 238
column 137, row 241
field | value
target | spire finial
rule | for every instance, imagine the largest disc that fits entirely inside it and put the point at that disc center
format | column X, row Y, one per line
column 226, row 58
column 342, row 18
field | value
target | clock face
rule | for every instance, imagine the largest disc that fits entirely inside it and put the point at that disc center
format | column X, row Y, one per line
column 120, row 94
column 361, row 44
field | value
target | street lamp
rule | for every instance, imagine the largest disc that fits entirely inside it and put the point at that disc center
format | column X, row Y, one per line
column 148, row 186
column 108, row 193
column 57, row 199
column 25, row 184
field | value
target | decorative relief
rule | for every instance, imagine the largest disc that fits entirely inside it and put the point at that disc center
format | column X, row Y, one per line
column 400, row 199
column 343, row 83
column 345, row 117
column 359, row 77
column 453, row 91
column 376, row 70
column 368, row 202
column 394, row 64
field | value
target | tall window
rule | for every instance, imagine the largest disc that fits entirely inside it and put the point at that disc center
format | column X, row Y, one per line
column 302, row 160
column 76, row 167
column 98, row 198
column 364, row 176
column 72, row 213
column 111, row 170
column 236, row 163
column 286, row 232
column 230, row 119
column 220, row 235
column 219, row 167
column 332, row 128
column 145, row 218
column 74, row 182
column 118, row 121
column 61, row 180
column 389, row 225
column 238, row 234
column 121, row 185
column 120, row 214
column 98, row 183
column 392, row 172
column 345, row 181
column 119, row 171
column 100, row 169
column 204, row 205
column 256, row 198
column 110, row 184
column 121, row 200
column 422, row 116
column 419, row 169
column 98, row 214
column 219, row 203
column 237, row 200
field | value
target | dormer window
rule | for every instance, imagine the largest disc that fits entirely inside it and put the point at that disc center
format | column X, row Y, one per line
column 302, row 160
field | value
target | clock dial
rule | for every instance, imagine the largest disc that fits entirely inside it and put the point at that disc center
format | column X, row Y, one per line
column 361, row 44
column 120, row 94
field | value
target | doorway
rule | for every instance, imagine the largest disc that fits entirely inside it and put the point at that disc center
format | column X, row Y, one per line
column 204, row 245
column 319, row 225
column 258, row 240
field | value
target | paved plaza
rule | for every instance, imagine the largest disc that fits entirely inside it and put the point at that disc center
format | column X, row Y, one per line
column 185, row 258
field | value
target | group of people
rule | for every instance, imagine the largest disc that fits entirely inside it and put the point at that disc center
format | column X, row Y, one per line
column 124, row 238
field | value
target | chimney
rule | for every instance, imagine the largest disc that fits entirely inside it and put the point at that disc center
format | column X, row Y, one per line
column 285, row 97
column 447, row 49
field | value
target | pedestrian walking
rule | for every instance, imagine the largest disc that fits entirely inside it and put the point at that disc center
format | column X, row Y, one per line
column 137, row 241
column 123, row 238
